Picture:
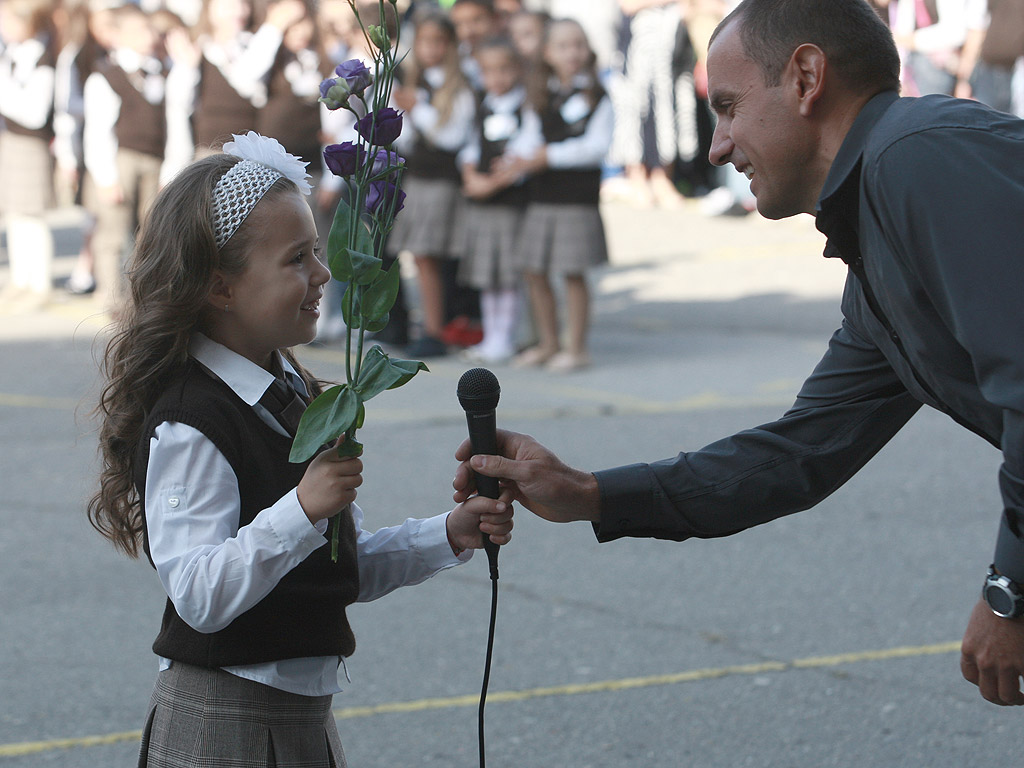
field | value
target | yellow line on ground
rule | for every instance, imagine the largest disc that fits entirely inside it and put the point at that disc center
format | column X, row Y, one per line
column 36, row 401
column 602, row 686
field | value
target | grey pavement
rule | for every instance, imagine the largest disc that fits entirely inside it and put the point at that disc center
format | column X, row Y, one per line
column 824, row 639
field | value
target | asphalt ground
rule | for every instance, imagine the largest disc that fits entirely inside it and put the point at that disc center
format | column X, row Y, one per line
column 828, row 638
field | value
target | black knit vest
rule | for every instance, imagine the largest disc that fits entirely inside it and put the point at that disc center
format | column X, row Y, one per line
column 426, row 160
column 566, row 186
column 292, row 120
column 220, row 110
column 140, row 126
column 304, row 615
column 491, row 150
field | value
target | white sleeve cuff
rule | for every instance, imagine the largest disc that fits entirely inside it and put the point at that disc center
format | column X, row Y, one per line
column 290, row 524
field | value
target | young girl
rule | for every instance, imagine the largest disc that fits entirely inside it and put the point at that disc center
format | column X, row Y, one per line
column 562, row 229
column 198, row 414
column 27, row 76
column 505, row 128
column 438, row 108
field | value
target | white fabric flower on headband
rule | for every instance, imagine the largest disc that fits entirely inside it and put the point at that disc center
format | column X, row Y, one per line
column 269, row 152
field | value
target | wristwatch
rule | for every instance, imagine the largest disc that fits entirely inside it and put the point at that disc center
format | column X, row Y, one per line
column 1004, row 597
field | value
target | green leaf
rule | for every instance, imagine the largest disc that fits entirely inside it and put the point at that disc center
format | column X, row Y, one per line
column 331, row 414
column 353, row 293
column 365, row 268
column 345, row 236
column 353, row 319
column 377, row 325
column 381, row 295
column 409, row 369
column 339, row 263
column 379, row 372
column 351, row 447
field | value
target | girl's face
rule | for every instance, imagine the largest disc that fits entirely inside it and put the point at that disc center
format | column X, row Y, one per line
column 567, row 51
column 299, row 35
column 229, row 15
column 498, row 69
column 136, row 33
column 473, row 23
column 527, row 33
column 14, row 28
column 430, row 45
column 274, row 301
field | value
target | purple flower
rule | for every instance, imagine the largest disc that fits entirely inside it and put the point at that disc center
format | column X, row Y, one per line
column 381, row 193
column 343, row 159
column 355, row 74
column 385, row 160
column 381, row 127
column 334, row 93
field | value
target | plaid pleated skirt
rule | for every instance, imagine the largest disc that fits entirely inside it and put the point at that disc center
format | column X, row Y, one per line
column 209, row 718
column 429, row 223
column 561, row 239
column 487, row 246
column 26, row 167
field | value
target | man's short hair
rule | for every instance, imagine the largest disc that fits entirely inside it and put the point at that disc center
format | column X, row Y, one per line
column 858, row 45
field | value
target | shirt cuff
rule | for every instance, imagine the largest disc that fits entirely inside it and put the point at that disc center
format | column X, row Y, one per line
column 626, row 494
column 293, row 529
column 1009, row 557
column 434, row 547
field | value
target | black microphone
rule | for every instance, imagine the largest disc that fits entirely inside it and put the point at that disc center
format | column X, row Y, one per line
column 478, row 395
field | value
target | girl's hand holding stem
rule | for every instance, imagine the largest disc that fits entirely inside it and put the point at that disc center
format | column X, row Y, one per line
column 329, row 484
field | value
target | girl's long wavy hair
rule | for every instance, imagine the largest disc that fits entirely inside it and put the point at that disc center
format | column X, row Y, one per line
column 169, row 278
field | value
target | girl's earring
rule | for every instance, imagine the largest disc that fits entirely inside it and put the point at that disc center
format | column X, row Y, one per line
column 226, row 307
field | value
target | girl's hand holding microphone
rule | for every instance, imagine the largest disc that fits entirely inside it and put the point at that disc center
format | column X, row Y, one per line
column 480, row 516
column 329, row 484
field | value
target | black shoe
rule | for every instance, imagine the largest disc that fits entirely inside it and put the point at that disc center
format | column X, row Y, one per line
column 427, row 346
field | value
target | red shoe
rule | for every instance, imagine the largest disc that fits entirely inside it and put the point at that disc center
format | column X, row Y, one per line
column 462, row 332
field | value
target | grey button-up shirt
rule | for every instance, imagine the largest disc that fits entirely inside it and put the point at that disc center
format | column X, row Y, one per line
column 925, row 202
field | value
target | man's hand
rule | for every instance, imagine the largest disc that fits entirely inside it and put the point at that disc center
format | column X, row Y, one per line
column 992, row 655
column 538, row 479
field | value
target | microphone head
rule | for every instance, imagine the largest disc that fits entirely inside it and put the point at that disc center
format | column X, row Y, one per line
column 478, row 391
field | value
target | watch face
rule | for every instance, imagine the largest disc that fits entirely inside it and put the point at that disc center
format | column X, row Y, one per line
column 998, row 600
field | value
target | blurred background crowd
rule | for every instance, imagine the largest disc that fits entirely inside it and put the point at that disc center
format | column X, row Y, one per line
column 101, row 101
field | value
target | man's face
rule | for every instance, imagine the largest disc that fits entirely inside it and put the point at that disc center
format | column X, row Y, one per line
column 760, row 129
column 472, row 23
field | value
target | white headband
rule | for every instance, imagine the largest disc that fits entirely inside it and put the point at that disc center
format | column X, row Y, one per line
column 237, row 192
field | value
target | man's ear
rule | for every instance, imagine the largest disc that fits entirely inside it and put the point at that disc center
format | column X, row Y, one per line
column 808, row 66
column 220, row 294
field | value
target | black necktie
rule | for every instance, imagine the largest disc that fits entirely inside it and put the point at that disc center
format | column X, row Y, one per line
column 285, row 404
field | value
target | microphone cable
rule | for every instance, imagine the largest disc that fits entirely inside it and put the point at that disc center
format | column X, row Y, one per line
column 493, row 561
column 478, row 394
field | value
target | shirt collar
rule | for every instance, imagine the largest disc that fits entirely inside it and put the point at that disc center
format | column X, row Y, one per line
column 840, row 194
column 246, row 379
column 850, row 152
column 506, row 102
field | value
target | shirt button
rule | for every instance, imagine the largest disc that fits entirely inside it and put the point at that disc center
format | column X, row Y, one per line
column 173, row 502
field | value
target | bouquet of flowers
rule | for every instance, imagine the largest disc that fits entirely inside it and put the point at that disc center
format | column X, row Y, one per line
column 372, row 173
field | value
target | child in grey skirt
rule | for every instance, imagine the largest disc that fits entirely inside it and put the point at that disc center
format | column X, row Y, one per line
column 506, row 129
column 563, row 234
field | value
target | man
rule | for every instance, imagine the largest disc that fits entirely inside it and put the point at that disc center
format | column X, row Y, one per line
column 922, row 198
